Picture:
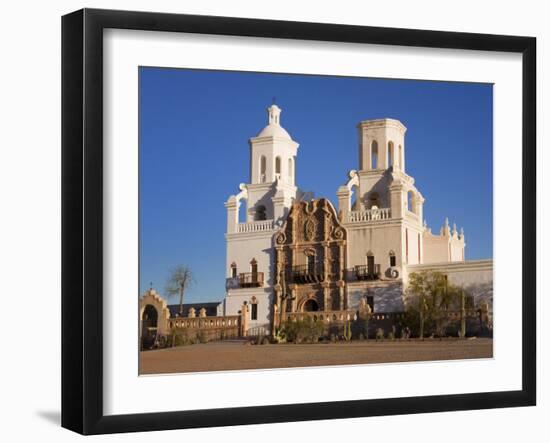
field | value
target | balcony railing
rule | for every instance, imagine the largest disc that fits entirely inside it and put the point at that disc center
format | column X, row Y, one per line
column 369, row 215
column 255, row 226
column 302, row 274
column 245, row 280
column 251, row 280
column 362, row 272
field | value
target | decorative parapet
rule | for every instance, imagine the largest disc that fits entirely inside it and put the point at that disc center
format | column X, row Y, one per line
column 324, row 316
column 230, row 321
column 255, row 226
column 373, row 214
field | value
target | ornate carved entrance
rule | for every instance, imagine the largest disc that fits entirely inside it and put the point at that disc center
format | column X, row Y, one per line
column 310, row 259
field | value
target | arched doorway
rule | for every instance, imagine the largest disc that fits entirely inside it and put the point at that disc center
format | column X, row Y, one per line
column 149, row 322
column 311, row 306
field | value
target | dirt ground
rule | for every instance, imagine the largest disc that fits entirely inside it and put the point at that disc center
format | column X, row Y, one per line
column 235, row 355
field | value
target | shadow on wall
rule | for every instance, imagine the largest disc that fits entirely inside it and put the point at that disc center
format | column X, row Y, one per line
column 386, row 299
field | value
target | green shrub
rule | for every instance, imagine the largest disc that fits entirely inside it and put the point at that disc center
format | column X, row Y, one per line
column 303, row 331
column 178, row 337
column 201, row 337
column 279, row 336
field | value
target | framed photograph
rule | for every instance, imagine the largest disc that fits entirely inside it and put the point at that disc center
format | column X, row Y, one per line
column 268, row 221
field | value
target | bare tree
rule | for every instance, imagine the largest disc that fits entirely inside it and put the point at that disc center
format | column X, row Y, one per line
column 181, row 277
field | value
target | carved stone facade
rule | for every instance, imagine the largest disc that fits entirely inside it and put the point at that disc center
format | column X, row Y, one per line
column 293, row 255
column 310, row 261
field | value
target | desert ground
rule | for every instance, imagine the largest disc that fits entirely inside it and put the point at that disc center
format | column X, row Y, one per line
column 236, row 355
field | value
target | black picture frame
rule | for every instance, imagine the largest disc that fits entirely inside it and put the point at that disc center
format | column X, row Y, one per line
column 82, row 218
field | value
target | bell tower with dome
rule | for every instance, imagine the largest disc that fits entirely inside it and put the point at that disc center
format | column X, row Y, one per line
column 268, row 197
column 272, row 170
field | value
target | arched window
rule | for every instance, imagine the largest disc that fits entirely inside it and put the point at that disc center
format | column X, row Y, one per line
column 277, row 165
column 260, row 213
column 400, row 158
column 263, row 165
column 353, row 198
column 242, row 217
column 374, row 155
column 410, row 201
column 391, row 154
column 233, row 270
column 392, row 258
column 373, row 201
column 311, row 305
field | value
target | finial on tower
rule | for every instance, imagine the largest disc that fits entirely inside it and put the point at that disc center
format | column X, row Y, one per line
column 273, row 114
column 445, row 229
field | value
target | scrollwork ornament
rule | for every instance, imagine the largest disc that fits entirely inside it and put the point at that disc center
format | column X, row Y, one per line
column 338, row 233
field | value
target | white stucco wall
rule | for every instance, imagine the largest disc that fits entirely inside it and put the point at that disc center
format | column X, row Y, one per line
column 412, row 245
column 442, row 248
column 379, row 238
column 476, row 276
column 241, row 249
column 235, row 299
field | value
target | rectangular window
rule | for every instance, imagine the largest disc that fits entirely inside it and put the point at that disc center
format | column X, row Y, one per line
column 370, row 302
column 392, row 260
column 254, row 312
column 370, row 264
column 311, row 264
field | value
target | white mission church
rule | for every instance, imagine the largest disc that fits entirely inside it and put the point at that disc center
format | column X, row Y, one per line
column 294, row 254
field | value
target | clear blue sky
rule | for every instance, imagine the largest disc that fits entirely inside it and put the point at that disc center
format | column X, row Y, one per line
column 194, row 131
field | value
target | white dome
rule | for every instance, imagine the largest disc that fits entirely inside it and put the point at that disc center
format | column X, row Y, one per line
column 274, row 130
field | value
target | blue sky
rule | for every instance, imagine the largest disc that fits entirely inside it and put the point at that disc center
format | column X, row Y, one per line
column 194, row 131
